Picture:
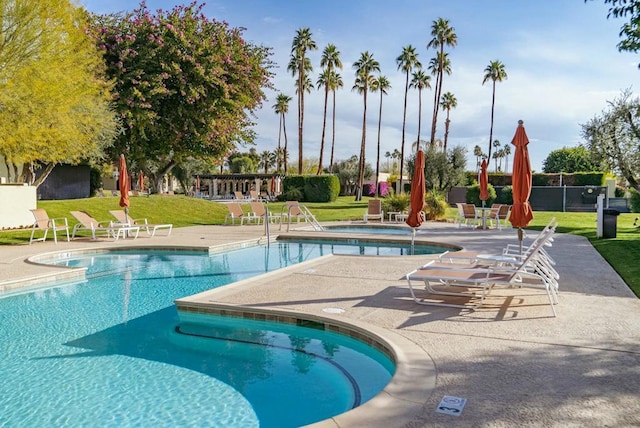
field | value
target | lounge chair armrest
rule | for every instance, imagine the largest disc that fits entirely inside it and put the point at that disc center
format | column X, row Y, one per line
column 60, row 220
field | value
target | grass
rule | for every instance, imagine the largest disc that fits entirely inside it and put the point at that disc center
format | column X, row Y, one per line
column 622, row 253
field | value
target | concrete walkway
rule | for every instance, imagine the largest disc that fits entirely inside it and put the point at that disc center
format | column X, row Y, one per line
column 512, row 360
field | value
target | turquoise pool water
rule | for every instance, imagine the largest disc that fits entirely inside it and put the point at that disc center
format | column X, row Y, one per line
column 112, row 351
column 375, row 230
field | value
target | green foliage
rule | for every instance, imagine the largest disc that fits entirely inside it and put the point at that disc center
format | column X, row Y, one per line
column 321, row 188
column 242, row 165
column 292, row 188
column 569, row 159
column 347, row 172
column 612, row 137
column 396, row 202
column 95, row 180
column 505, row 196
column 185, row 85
column 435, row 205
column 473, row 195
column 54, row 97
column 634, row 200
column 442, row 170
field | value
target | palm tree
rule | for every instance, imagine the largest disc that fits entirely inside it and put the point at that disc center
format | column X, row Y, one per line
column 407, row 61
column 477, row 152
column 420, row 80
column 380, row 84
column 507, row 152
column 364, row 66
column 335, row 83
column 496, row 73
column 396, row 155
column 387, row 155
column 443, row 35
column 267, row 159
column 448, row 102
column 299, row 66
column 330, row 60
column 282, row 107
column 496, row 155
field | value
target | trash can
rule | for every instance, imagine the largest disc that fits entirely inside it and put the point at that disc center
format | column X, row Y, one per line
column 609, row 222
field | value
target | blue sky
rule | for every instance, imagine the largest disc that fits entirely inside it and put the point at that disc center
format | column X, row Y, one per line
column 560, row 57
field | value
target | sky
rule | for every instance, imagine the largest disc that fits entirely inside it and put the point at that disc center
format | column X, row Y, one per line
column 560, row 56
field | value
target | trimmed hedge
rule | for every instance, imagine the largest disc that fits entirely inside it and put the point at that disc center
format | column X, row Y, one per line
column 310, row 188
column 540, row 179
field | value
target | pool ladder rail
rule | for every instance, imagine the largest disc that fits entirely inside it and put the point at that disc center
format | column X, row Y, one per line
column 296, row 209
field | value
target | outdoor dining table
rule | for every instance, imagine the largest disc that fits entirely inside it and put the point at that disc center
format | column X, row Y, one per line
column 483, row 214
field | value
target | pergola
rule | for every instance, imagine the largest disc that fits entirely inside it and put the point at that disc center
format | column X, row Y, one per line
column 221, row 186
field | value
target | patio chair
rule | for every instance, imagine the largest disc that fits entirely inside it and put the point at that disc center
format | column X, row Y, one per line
column 469, row 215
column 239, row 196
column 531, row 271
column 493, row 216
column 86, row 222
column 374, row 211
column 43, row 222
column 259, row 213
column 291, row 209
column 503, row 215
column 235, row 213
column 150, row 228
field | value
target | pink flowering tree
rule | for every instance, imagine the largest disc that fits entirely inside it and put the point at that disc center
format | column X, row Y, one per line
column 185, row 86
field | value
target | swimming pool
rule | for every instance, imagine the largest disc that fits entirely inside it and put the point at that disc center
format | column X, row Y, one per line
column 111, row 351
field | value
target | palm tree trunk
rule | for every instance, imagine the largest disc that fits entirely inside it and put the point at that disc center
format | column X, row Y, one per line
column 300, row 117
column 434, row 117
column 493, row 103
column 333, row 129
column 286, row 150
column 419, row 118
column 446, row 132
column 378, row 155
column 279, row 137
column 404, row 121
column 362, row 150
column 324, row 126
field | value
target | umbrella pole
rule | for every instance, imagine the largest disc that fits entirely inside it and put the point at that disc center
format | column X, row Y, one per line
column 413, row 239
column 520, row 239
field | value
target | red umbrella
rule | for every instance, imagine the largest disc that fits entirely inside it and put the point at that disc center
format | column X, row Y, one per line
column 484, row 182
column 521, row 213
column 124, row 185
column 415, row 219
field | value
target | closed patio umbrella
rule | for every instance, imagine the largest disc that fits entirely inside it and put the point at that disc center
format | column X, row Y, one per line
column 141, row 181
column 521, row 213
column 124, row 185
column 484, row 182
column 415, row 219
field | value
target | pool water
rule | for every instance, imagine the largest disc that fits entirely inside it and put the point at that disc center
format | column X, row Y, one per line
column 112, row 351
column 374, row 230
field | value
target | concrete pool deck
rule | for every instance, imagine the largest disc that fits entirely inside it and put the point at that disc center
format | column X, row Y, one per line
column 514, row 363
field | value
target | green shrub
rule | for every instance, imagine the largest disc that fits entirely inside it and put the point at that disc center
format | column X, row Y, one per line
column 396, row 202
column 634, row 201
column 473, row 195
column 293, row 194
column 435, row 205
column 321, row 188
column 505, row 196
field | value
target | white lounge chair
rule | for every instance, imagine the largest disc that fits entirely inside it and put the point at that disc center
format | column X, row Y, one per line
column 374, row 211
column 458, row 280
column 235, row 213
column 150, row 228
column 86, row 222
column 43, row 222
column 259, row 213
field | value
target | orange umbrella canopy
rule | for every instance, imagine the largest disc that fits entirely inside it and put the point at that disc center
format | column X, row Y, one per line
column 414, row 219
column 484, row 181
column 521, row 213
column 124, row 182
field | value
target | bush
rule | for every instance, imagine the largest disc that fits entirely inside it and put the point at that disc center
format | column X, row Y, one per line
column 384, row 189
column 293, row 194
column 505, row 196
column 634, row 200
column 396, row 203
column 435, row 205
column 369, row 189
column 321, row 188
column 473, row 195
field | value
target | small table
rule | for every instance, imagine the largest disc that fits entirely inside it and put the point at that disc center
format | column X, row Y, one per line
column 397, row 216
column 498, row 259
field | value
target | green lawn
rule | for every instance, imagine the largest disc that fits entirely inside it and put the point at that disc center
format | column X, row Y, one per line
column 621, row 252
